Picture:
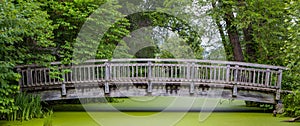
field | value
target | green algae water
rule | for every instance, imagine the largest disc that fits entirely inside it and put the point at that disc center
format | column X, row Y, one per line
column 226, row 113
column 190, row 119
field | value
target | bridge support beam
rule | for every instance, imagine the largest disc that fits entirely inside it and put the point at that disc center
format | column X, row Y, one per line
column 149, row 89
column 192, row 88
column 63, row 90
column 106, row 88
column 234, row 92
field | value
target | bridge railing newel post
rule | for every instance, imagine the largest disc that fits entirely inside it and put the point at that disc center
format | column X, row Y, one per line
column 279, row 85
column 236, row 74
column 227, row 73
column 63, row 85
column 107, row 77
column 149, row 76
column 192, row 77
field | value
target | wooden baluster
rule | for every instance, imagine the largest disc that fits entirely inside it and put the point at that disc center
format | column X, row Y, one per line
column 172, row 74
column 210, row 74
column 40, row 77
column 262, row 78
column 206, row 75
column 34, row 77
column 45, row 76
column 132, row 71
column 89, row 73
column 258, row 77
column 80, row 70
column 254, row 75
column 267, row 80
column 215, row 73
column 250, row 76
column 128, row 73
column 75, row 74
column 219, row 73
column 141, row 71
column 29, row 77
column 176, row 72
column 136, row 71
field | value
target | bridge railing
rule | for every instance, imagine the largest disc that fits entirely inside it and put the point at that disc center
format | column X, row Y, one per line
column 150, row 71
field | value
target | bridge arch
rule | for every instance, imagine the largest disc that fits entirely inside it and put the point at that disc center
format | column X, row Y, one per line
column 157, row 77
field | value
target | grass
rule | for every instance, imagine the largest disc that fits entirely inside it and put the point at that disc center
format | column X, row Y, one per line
column 29, row 106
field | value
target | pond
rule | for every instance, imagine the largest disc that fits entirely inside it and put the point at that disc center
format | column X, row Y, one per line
column 156, row 111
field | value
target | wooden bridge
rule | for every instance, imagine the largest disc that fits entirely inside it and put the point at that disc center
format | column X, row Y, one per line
column 155, row 77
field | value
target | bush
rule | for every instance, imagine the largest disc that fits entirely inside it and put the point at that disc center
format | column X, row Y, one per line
column 292, row 104
column 8, row 88
column 29, row 106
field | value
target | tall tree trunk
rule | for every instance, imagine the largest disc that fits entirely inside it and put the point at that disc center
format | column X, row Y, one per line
column 233, row 33
column 250, row 44
column 226, row 44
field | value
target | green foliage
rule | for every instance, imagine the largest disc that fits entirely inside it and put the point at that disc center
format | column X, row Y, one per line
column 25, row 32
column 25, row 38
column 68, row 18
column 291, row 49
column 29, row 106
column 48, row 121
column 8, row 88
column 292, row 104
column 175, row 47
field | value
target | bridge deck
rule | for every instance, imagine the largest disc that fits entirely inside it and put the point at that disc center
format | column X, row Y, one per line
column 138, row 77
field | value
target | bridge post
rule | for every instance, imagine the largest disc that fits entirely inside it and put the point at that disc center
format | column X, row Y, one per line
column 63, row 85
column 227, row 73
column 107, row 77
column 149, row 90
column 192, row 76
column 278, row 85
column 236, row 74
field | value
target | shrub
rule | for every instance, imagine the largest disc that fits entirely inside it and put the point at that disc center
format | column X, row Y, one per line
column 292, row 104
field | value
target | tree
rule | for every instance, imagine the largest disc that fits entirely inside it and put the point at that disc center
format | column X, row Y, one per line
column 25, row 38
column 292, row 59
column 251, row 30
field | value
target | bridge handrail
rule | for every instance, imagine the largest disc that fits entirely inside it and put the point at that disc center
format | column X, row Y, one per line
column 173, row 60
